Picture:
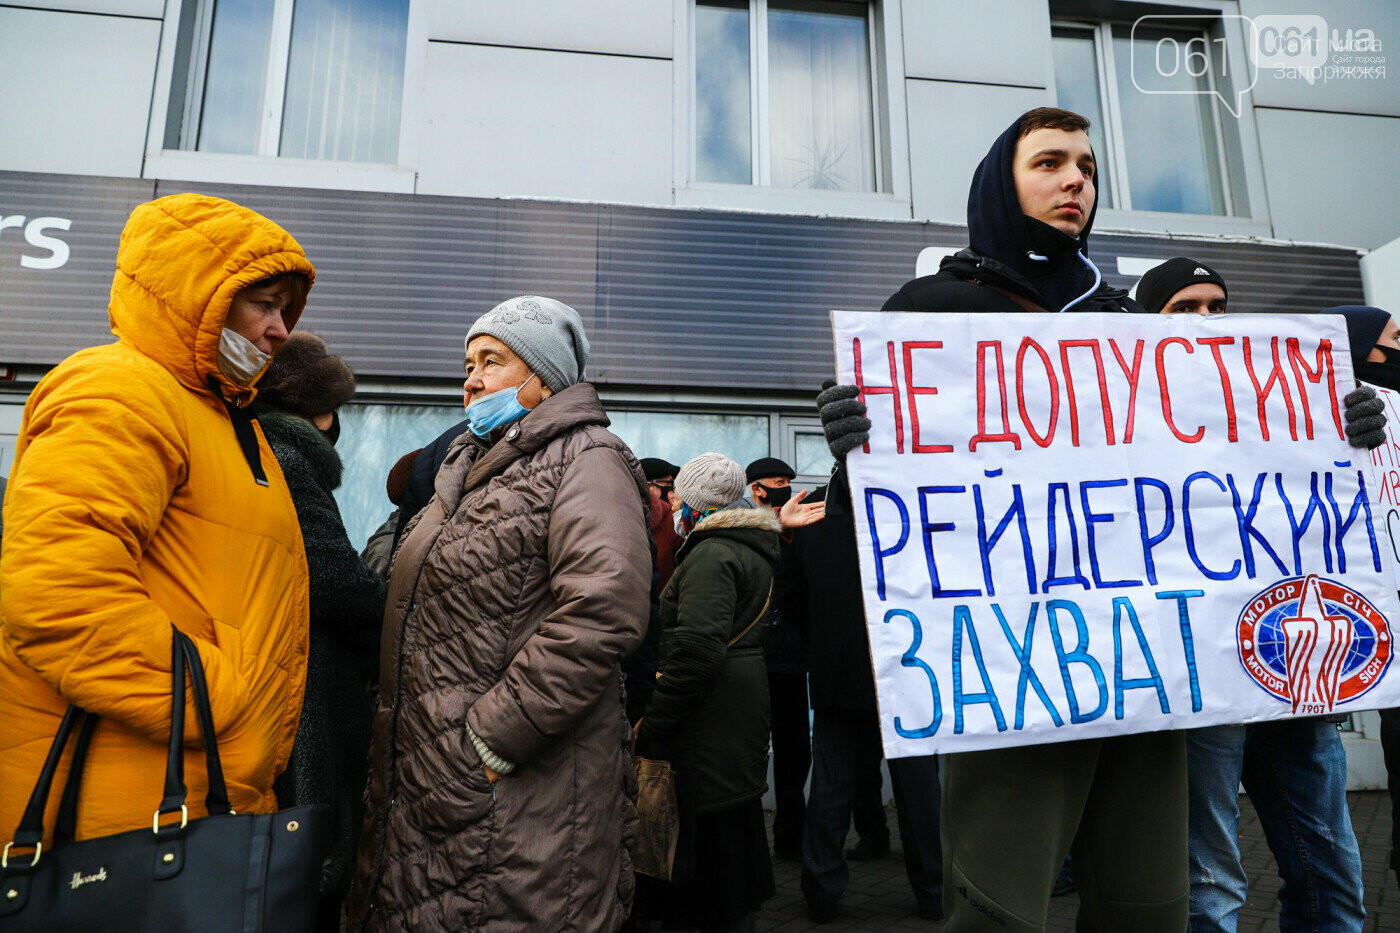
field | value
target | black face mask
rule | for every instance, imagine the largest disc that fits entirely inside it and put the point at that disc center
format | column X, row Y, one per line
column 332, row 433
column 776, row 497
column 1387, row 374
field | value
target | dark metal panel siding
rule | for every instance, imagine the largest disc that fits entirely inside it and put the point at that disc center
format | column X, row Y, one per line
column 46, row 314
column 671, row 298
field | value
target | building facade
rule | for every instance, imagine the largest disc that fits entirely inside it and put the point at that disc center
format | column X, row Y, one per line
column 703, row 179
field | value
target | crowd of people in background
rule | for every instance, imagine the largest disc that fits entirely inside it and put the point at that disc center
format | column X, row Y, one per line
column 466, row 690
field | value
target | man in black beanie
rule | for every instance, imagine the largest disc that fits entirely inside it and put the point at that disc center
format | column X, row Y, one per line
column 1182, row 286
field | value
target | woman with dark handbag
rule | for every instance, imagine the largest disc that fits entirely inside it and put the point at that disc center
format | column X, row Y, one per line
column 143, row 495
column 709, row 714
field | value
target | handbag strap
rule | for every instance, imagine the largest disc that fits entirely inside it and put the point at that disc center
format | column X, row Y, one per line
column 67, row 829
column 217, row 799
column 757, row 619
column 183, row 652
column 175, row 760
column 31, row 825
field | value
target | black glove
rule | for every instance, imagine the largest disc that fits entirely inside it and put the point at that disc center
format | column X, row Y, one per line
column 843, row 418
column 1365, row 416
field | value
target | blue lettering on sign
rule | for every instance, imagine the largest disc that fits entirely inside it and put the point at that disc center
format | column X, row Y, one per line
column 1245, row 520
column 1123, row 606
column 1188, row 643
column 880, row 554
column 1151, row 540
column 1022, row 650
column 962, row 621
column 1362, row 501
column 929, row 530
column 1052, row 532
column 1092, row 518
column 1080, row 655
column 1299, row 529
column 985, row 542
column 910, row 658
column 1234, row 570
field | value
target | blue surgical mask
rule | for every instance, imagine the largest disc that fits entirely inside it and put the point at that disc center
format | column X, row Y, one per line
column 489, row 412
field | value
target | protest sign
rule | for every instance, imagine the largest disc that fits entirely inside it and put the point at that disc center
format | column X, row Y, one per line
column 1083, row 525
column 1385, row 492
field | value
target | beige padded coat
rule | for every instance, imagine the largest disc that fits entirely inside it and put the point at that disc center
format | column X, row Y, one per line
column 512, row 599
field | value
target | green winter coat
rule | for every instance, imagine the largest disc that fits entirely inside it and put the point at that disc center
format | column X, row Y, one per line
column 709, row 714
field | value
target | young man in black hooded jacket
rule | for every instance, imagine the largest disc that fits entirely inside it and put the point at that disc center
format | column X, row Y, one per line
column 1011, row 814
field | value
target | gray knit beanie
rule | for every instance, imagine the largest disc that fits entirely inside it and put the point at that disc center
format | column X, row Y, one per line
column 546, row 334
column 710, row 481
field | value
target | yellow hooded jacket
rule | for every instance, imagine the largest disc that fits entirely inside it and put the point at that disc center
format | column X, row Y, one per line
column 131, row 506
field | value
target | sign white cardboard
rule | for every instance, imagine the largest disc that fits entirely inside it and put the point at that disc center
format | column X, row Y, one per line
column 1084, row 525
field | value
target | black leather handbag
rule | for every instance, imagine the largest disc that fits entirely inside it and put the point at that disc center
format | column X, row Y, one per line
column 241, row 873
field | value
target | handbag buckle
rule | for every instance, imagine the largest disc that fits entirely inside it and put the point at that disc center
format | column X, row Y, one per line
column 155, row 820
column 5, row 856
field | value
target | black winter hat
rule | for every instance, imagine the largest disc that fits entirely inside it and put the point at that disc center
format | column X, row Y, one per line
column 1160, row 283
column 655, row 468
column 1365, row 325
column 304, row 379
column 765, row 467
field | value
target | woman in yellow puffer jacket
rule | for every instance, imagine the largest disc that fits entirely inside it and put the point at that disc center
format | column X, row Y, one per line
column 143, row 495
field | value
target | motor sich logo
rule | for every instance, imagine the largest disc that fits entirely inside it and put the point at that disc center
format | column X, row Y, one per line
column 1314, row 643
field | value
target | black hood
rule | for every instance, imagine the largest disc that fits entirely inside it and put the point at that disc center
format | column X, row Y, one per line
column 998, row 228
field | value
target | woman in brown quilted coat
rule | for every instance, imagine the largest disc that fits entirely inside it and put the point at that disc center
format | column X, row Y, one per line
column 501, row 792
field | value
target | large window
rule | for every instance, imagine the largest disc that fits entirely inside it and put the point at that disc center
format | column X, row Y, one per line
column 308, row 79
column 1157, row 127
column 783, row 94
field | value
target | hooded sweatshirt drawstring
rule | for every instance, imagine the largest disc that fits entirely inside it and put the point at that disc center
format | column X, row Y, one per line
column 1098, row 280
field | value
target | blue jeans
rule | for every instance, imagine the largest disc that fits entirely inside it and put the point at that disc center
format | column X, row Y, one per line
column 1214, row 764
column 1295, row 774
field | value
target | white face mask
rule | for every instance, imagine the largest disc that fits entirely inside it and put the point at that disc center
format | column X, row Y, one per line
column 239, row 358
column 680, row 526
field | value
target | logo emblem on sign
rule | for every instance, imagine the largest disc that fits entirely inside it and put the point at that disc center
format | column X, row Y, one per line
column 1313, row 643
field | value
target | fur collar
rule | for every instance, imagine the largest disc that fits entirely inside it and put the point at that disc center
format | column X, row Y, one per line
column 306, row 439
column 761, row 518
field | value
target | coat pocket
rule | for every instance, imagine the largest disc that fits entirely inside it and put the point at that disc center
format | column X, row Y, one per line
column 459, row 795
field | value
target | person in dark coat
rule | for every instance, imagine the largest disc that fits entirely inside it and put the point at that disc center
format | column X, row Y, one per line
column 1030, row 210
column 819, row 593
column 418, row 489
column 770, row 484
column 300, row 393
column 379, row 549
column 709, row 714
column 661, row 480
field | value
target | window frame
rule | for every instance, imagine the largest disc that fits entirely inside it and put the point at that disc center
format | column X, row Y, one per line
column 266, row 167
column 892, row 198
column 1109, row 103
column 1241, row 165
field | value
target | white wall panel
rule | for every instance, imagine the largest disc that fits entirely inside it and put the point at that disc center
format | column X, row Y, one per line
column 951, row 126
column 523, row 123
column 1331, row 177
column 623, row 27
column 991, row 42
column 151, row 9
column 78, row 91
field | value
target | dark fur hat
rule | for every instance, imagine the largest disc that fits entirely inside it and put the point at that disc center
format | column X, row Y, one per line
column 305, row 379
